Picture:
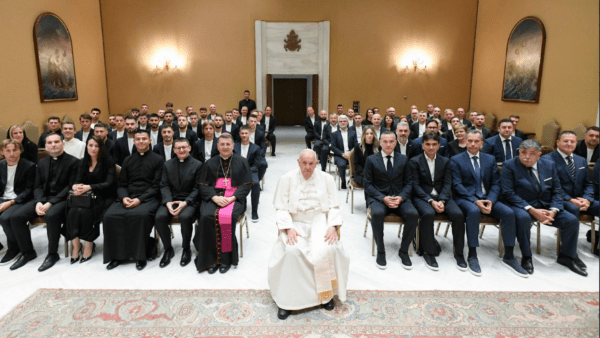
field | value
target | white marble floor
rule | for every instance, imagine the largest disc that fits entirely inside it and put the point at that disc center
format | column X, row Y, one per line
column 252, row 270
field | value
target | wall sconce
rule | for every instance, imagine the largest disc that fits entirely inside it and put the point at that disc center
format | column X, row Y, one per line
column 418, row 63
column 415, row 60
column 167, row 60
column 166, row 64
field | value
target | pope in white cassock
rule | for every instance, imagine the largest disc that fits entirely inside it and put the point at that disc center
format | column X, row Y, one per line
column 308, row 265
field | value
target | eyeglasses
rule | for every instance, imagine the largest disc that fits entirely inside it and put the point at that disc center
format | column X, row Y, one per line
column 181, row 148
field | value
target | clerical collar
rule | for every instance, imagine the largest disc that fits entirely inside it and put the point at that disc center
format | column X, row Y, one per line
column 184, row 160
column 142, row 154
column 226, row 159
column 58, row 157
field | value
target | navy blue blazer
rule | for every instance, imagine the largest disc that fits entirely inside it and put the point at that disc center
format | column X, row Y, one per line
column 121, row 150
column 79, row 135
column 463, row 176
column 378, row 184
column 337, row 142
column 317, row 130
column 159, row 148
column 260, row 140
column 582, row 185
column 308, row 125
column 235, row 131
column 495, row 146
column 422, row 183
column 409, row 148
column 253, row 156
column 198, row 150
column 418, row 147
column 518, row 186
column 190, row 135
column 596, row 180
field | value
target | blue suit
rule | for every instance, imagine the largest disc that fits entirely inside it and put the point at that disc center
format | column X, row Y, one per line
column 378, row 184
column 417, row 146
column 580, row 186
column 199, row 153
column 337, row 146
column 520, row 190
column 466, row 194
column 495, row 146
column 253, row 157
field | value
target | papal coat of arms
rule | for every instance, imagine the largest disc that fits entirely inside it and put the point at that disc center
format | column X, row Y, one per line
column 292, row 42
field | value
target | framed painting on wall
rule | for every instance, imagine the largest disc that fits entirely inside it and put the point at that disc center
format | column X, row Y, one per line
column 524, row 61
column 54, row 59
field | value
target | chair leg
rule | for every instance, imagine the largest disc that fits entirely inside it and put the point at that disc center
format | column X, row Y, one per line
column 242, row 238
column 593, row 234
column 539, row 238
column 438, row 228
column 558, row 242
column 157, row 242
column 400, row 230
column 481, row 232
column 366, row 224
column 500, row 243
column 352, row 201
column 347, row 193
column 247, row 227
column 66, row 248
column 447, row 228
column 418, row 235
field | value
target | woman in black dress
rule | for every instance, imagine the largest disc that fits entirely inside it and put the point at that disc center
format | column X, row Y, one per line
column 459, row 145
column 389, row 123
column 368, row 117
column 30, row 149
column 97, row 173
column 369, row 145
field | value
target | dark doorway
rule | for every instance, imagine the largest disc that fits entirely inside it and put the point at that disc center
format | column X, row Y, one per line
column 289, row 101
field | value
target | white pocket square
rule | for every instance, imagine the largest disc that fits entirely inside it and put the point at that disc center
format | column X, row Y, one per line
column 582, row 168
column 548, row 179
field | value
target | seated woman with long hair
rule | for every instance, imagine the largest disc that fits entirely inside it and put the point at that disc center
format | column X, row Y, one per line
column 97, row 173
column 30, row 149
column 389, row 123
column 458, row 145
column 367, row 121
column 369, row 145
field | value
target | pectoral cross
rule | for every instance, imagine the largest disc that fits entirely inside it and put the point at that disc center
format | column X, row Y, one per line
column 225, row 181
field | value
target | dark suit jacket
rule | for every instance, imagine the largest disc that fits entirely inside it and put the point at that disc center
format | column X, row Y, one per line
column 42, row 140
column 582, row 185
column 159, row 148
column 520, row 134
column 24, row 180
column 463, row 177
column 235, row 131
column 109, row 146
column 174, row 187
column 418, row 147
column 190, row 135
column 422, row 183
column 596, row 180
column 414, row 131
column 239, row 120
column 378, row 184
column 466, row 122
column 337, row 142
column 308, row 125
column 449, row 136
column 454, row 149
column 445, row 125
column 317, row 130
column 79, row 135
column 250, row 104
column 198, row 150
column 121, row 150
column 253, row 156
column 272, row 124
column 581, row 150
column 410, row 149
column 261, row 141
column 486, row 132
column 518, row 186
column 494, row 146
column 67, row 173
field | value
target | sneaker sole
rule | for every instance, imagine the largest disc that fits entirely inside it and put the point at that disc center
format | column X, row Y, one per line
column 254, row 221
column 526, row 275
column 432, row 268
column 408, row 267
column 12, row 260
column 381, row 267
column 462, row 269
column 478, row 274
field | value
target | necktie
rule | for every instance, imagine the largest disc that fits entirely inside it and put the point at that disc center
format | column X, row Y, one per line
column 571, row 166
column 479, row 191
column 536, row 183
column 507, row 150
column 390, row 167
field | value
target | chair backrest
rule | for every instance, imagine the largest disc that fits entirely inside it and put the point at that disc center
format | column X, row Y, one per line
column 118, row 170
column 550, row 134
column 490, row 121
column 351, row 162
column 42, row 154
column 580, row 131
column 3, row 132
column 32, row 131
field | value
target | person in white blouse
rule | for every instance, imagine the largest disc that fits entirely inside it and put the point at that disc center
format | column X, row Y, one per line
column 73, row 146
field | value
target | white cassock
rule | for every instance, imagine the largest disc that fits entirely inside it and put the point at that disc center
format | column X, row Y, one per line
column 310, row 272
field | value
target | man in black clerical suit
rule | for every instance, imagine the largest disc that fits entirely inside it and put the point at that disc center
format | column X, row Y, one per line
column 432, row 194
column 257, row 136
column 588, row 147
column 129, row 221
column 215, row 238
column 54, row 126
column 17, row 179
column 388, row 184
column 269, row 122
column 54, row 178
column 309, row 125
column 165, row 148
column 124, row 146
column 179, row 193
column 343, row 141
column 184, row 131
column 251, row 152
column 322, row 137
column 247, row 102
column 206, row 147
column 101, row 131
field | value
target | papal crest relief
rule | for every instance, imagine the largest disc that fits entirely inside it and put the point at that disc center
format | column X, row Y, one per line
column 292, row 43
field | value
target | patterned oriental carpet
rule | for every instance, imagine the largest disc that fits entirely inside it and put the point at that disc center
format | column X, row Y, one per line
column 252, row 313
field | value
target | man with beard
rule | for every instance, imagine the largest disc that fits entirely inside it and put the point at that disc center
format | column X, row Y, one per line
column 342, row 142
column 165, row 148
column 124, row 146
column 54, row 125
column 194, row 125
column 309, row 125
column 270, row 123
column 184, row 131
column 231, row 127
column 257, row 137
column 251, row 152
column 588, row 147
column 119, row 127
column 405, row 144
column 206, row 147
column 101, row 131
column 154, row 121
column 322, row 136
column 218, row 125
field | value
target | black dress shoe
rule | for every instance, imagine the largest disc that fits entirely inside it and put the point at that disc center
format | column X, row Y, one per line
column 381, row 261
column 23, row 260
column 406, row 263
column 283, row 314
column 140, row 265
column 186, row 257
column 461, row 264
column 49, row 262
column 224, row 268
column 166, row 259
column 85, row 259
column 75, row 260
column 527, row 264
column 430, row 262
column 570, row 263
column 9, row 257
column 213, row 269
column 580, row 263
column 113, row 264
column 329, row 305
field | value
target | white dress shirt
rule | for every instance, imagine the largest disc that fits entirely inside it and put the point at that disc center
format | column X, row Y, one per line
column 207, row 149
column 228, row 127
column 385, row 160
column 168, row 150
column 590, row 153
column 267, row 120
column 431, row 165
column 252, row 137
column 245, row 150
column 130, row 144
column 244, row 119
column 334, row 128
column 153, row 137
column 479, row 163
column 345, row 140
column 422, row 128
column 9, row 189
column 120, row 133
column 84, row 135
column 74, row 147
column 403, row 148
column 504, row 147
column 218, row 133
column 359, row 132
column 564, row 156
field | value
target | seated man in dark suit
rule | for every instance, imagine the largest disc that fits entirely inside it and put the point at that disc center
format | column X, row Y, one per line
column 388, row 186
column 516, row 132
column 479, row 120
column 257, row 137
column 179, row 193
column 476, row 183
column 432, row 187
column 85, row 120
column 231, row 127
column 54, row 126
column 418, row 129
column 532, row 188
column 343, row 141
column 17, row 179
column 54, row 178
column 119, row 129
column 309, row 125
column 503, row 146
column 206, row 147
column 432, row 127
column 405, row 144
column 124, row 146
column 184, row 131
column 588, row 147
column 322, row 135
column 165, row 147
column 251, row 152
column 269, row 121
column 101, row 130
column 460, row 113
column 573, row 171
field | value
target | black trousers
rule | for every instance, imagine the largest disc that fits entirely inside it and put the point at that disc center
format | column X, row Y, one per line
column 341, row 164
column 55, row 217
column 187, row 217
column 308, row 139
column 322, row 150
column 406, row 210
column 12, row 235
column 271, row 138
column 255, row 194
column 427, row 236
